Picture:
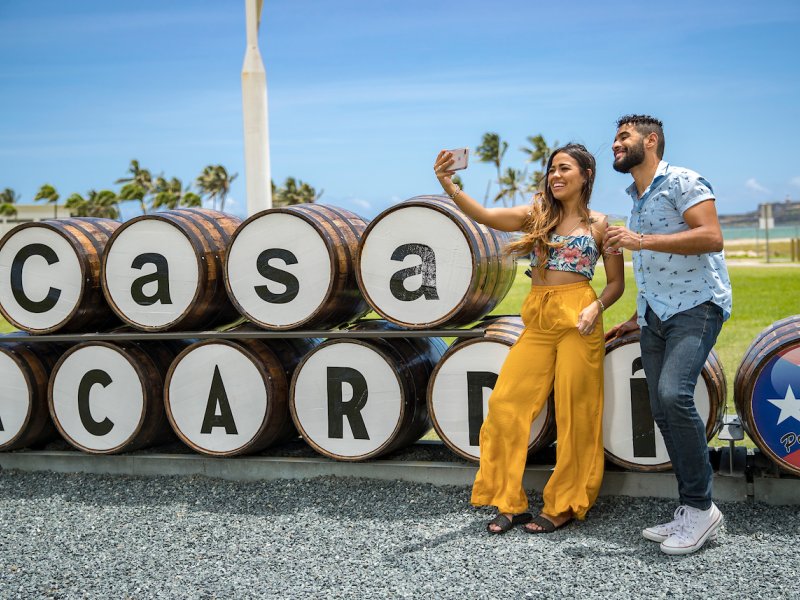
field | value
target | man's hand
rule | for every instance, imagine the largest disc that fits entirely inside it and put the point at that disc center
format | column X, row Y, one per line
column 622, row 329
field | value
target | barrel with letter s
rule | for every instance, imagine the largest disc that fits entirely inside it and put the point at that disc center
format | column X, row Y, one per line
column 294, row 267
column 50, row 275
column 423, row 263
column 459, row 390
column 355, row 399
column 630, row 435
column 231, row 397
column 767, row 393
column 165, row 270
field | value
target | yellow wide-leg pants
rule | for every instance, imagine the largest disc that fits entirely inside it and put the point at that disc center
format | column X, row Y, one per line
column 550, row 354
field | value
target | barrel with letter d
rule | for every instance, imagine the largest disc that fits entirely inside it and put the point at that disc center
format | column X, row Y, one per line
column 294, row 267
column 767, row 393
column 50, row 275
column 231, row 397
column 24, row 374
column 423, row 263
column 459, row 390
column 108, row 398
column 630, row 435
column 355, row 399
column 165, row 270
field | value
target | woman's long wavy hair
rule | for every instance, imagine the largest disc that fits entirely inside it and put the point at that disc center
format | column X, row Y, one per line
column 547, row 212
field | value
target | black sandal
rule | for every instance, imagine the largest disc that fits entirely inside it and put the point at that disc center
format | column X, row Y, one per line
column 505, row 524
column 547, row 526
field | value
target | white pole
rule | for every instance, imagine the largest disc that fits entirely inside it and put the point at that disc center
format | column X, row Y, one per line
column 254, row 110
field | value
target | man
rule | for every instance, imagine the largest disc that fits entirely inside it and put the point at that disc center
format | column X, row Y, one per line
column 684, row 297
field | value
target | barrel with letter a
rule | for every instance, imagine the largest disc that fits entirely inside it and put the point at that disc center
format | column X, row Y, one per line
column 165, row 270
column 355, row 399
column 630, row 435
column 50, row 275
column 423, row 264
column 459, row 390
column 294, row 267
column 767, row 393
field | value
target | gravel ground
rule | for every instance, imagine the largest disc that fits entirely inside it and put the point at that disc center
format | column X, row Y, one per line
column 93, row 536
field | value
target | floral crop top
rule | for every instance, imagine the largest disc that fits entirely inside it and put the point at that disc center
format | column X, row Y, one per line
column 577, row 254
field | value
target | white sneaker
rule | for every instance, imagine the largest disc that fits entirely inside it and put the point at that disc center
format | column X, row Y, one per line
column 658, row 533
column 695, row 527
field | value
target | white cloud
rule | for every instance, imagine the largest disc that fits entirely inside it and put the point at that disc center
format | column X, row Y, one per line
column 795, row 181
column 752, row 185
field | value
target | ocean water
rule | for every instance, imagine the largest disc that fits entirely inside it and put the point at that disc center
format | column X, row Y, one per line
column 740, row 233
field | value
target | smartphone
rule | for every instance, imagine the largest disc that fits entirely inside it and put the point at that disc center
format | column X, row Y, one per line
column 460, row 158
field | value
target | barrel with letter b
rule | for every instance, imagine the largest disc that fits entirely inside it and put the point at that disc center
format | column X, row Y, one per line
column 164, row 270
column 294, row 267
column 231, row 397
column 459, row 390
column 355, row 399
column 767, row 393
column 630, row 435
column 423, row 263
column 50, row 275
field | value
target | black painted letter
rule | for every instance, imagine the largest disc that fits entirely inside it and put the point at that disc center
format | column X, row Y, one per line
column 160, row 276
column 644, row 430
column 218, row 397
column 476, row 381
column 338, row 409
column 427, row 268
column 273, row 274
column 18, row 263
column 94, row 427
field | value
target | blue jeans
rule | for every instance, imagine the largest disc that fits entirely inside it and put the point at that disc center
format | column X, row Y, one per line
column 673, row 354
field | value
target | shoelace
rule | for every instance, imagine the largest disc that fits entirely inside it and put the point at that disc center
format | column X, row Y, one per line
column 685, row 524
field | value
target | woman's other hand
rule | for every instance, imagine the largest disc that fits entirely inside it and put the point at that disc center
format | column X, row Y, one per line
column 588, row 318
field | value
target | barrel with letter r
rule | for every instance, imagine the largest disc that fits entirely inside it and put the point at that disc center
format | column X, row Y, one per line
column 294, row 267
column 231, row 397
column 165, row 270
column 459, row 390
column 767, row 393
column 355, row 399
column 423, row 264
column 630, row 435
column 50, row 275
column 107, row 398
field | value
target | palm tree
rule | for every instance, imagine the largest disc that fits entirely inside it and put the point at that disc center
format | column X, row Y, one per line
column 538, row 152
column 103, row 204
column 138, row 186
column 510, row 187
column 8, row 198
column 215, row 183
column 491, row 150
column 48, row 192
column 294, row 192
column 171, row 194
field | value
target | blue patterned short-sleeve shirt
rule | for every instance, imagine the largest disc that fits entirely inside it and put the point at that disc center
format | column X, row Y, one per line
column 673, row 283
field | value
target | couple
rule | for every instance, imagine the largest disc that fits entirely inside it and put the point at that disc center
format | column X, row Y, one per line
column 684, row 296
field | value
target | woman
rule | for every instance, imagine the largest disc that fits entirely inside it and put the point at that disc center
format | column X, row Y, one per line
column 561, row 347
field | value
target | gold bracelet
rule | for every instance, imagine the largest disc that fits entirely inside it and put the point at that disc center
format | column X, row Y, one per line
column 602, row 306
column 456, row 193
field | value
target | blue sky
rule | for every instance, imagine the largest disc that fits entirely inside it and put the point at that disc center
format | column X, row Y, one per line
column 363, row 93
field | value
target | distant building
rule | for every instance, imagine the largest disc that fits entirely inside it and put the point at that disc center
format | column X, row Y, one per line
column 27, row 213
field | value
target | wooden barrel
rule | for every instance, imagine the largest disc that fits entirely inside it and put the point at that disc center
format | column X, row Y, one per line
column 294, row 267
column 50, row 275
column 24, row 374
column 767, row 393
column 165, row 270
column 631, row 438
column 231, row 397
column 355, row 399
column 461, row 384
column 108, row 398
column 423, row 263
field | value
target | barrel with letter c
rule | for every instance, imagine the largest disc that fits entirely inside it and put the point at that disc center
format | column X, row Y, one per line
column 423, row 264
column 355, row 399
column 165, row 270
column 458, row 394
column 630, row 435
column 767, row 393
column 50, row 275
column 294, row 267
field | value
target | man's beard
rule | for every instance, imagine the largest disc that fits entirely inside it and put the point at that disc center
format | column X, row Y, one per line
column 632, row 158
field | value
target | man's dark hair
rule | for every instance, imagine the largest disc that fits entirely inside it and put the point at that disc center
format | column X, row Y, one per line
column 645, row 125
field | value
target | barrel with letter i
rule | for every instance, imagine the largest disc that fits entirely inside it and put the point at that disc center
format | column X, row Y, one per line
column 767, row 393
column 355, row 399
column 294, row 267
column 50, row 275
column 231, row 397
column 107, row 398
column 458, row 394
column 165, row 270
column 423, row 263
column 630, row 435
